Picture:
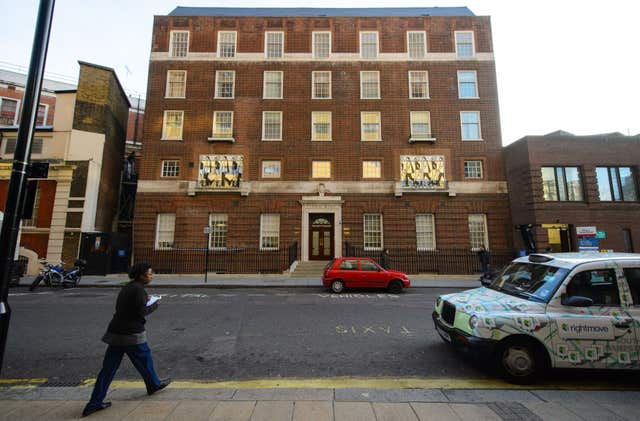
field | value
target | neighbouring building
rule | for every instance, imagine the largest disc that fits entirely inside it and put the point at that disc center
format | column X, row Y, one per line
column 83, row 143
column 572, row 193
column 317, row 133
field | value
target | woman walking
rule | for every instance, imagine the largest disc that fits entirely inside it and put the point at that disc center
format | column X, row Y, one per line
column 126, row 335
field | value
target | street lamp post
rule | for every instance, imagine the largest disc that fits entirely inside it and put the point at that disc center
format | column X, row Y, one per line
column 21, row 158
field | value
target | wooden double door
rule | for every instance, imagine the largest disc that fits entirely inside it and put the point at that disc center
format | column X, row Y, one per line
column 321, row 236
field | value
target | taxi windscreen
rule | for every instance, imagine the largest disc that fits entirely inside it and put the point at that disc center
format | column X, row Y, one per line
column 531, row 281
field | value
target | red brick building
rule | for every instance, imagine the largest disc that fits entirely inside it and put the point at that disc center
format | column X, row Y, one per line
column 560, row 182
column 329, row 131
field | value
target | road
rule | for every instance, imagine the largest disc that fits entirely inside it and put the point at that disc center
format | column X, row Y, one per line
column 239, row 334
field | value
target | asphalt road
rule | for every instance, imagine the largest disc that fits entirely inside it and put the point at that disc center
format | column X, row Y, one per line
column 239, row 334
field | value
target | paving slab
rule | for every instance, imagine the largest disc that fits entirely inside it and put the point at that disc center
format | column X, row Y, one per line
column 551, row 411
column 390, row 395
column 285, row 394
column 117, row 411
column 474, row 412
column 434, row 411
column 394, row 412
column 627, row 411
column 233, row 411
column 486, row 395
column 353, row 411
column 152, row 410
column 604, row 396
column 70, row 410
column 170, row 394
column 272, row 411
column 312, row 411
column 591, row 411
column 31, row 410
column 192, row 410
column 54, row 393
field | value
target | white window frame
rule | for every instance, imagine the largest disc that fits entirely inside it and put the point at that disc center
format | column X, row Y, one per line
column 424, row 44
column 164, row 125
column 425, row 232
column 219, row 231
column 479, row 170
column 171, row 43
column 480, row 218
column 170, row 166
column 313, row 84
column 365, row 73
column 167, row 91
column 479, row 138
column 362, row 136
column 318, row 165
column 376, row 170
column 266, row 44
column 15, row 117
column 414, row 116
column 269, row 228
column 217, row 134
column 170, row 233
column 473, row 44
column 264, row 84
column 265, row 139
column 235, row 44
column 46, row 113
column 426, row 82
column 314, row 134
column 475, row 84
column 218, row 87
column 314, row 49
column 365, row 230
column 269, row 162
column 37, row 145
column 377, row 54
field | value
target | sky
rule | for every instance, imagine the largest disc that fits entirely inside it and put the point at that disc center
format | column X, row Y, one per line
column 570, row 65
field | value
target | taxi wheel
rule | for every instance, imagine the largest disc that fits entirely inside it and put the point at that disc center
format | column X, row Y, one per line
column 520, row 362
column 395, row 287
column 337, row 286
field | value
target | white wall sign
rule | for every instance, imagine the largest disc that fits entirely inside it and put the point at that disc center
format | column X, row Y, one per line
column 586, row 231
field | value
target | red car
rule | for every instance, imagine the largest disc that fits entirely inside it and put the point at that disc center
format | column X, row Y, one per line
column 361, row 272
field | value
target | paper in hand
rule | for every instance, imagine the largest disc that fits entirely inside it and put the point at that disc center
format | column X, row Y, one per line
column 152, row 300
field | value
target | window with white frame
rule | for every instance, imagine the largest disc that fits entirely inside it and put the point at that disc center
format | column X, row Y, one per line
column 368, row 44
column 478, row 231
column 225, row 83
column 274, row 44
column 372, row 231
column 420, row 125
column 272, row 88
column 165, row 228
column 470, row 125
column 218, row 222
column 8, row 111
column 417, row 44
column 172, row 125
column 227, row 43
column 464, row 44
column 467, row 84
column 370, row 126
column 425, row 231
column 41, row 118
column 321, row 44
column 170, row 168
column 369, row 85
column 419, row 84
column 272, row 125
column 271, row 169
column 269, row 231
column 321, row 85
column 179, row 44
column 371, row 169
column 222, row 125
column 321, row 169
column 473, row 169
column 321, row 125
column 176, row 83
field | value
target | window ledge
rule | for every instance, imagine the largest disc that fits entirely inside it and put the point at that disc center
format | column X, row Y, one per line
column 221, row 139
column 468, row 97
column 367, row 140
column 271, row 140
column 165, row 138
column 421, row 139
column 473, row 140
column 419, row 97
column 321, row 140
column 315, row 97
column 175, row 97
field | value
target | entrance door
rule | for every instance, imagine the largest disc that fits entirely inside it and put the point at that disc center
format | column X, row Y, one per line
column 320, row 236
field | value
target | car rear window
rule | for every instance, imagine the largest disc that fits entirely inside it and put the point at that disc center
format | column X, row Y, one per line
column 330, row 264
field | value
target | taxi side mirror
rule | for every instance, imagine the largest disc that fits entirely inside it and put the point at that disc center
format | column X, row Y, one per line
column 576, row 301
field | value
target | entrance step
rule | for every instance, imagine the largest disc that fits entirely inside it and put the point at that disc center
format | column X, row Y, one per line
column 309, row 269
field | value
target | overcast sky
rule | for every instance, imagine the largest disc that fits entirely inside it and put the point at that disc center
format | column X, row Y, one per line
column 562, row 64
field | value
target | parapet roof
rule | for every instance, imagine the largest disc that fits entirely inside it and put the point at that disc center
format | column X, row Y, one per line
column 321, row 12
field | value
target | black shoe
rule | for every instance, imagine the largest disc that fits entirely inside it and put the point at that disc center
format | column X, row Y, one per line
column 88, row 410
column 163, row 383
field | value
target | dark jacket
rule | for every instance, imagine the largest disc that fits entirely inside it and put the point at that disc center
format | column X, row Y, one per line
column 484, row 256
column 131, row 307
column 385, row 260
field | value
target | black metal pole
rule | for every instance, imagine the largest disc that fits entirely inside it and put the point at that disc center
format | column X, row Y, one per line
column 206, row 258
column 21, row 158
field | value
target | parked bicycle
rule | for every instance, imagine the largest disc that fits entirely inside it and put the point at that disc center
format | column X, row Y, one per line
column 55, row 275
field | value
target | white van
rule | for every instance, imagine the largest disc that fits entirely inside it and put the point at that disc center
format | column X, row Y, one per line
column 568, row 310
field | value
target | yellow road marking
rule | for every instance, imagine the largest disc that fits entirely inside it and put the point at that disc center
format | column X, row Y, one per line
column 22, row 383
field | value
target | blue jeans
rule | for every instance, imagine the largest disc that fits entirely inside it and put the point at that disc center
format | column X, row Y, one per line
column 140, row 356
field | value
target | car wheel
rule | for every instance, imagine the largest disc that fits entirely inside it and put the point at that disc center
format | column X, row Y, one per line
column 520, row 362
column 395, row 287
column 337, row 286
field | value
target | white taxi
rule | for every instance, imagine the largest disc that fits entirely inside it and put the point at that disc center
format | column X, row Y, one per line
column 565, row 310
